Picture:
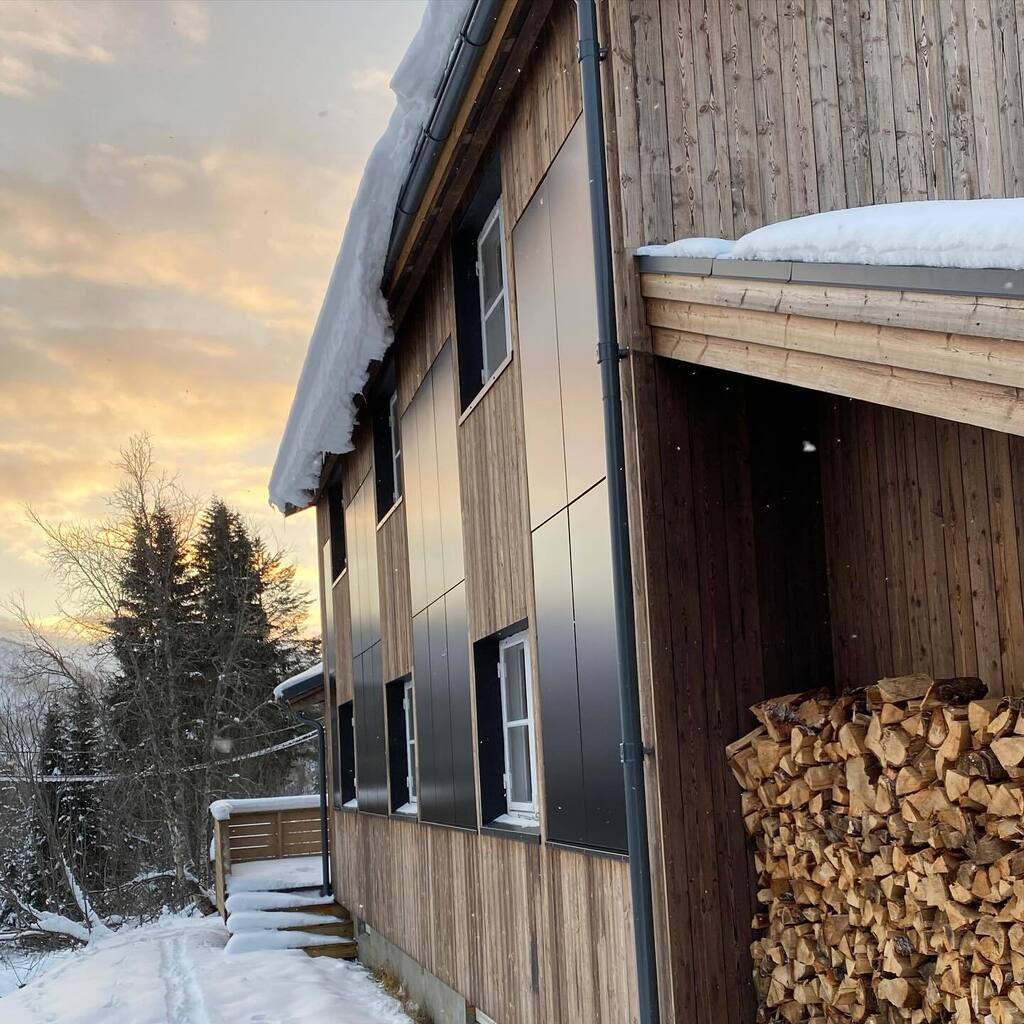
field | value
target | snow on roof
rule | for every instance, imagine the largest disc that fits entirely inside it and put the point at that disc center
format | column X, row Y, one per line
column 354, row 327
column 962, row 233
column 223, row 809
column 300, row 684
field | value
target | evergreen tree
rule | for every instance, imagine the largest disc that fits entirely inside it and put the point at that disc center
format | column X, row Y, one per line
column 154, row 704
column 82, row 809
column 25, row 871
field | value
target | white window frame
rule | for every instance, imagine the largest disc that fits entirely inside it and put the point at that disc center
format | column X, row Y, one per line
column 486, row 372
column 527, row 811
column 409, row 710
column 396, row 450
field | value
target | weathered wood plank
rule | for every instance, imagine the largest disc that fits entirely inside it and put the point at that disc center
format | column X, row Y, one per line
column 991, row 360
column 880, row 102
column 770, row 112
column 959, row 314
column 986, row 405
column 1006, row 27
column 985, row 97
column 959, row 102
column 681, row 97
column 796, row 94
column 747, row 200
column 853, row 114
column 712, row 122
column 825, row 115
column 906, row 97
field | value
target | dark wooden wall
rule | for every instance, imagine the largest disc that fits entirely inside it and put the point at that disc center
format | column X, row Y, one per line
column 731, row 114
column 925, row 532
column 796, row 540
column 736, row 570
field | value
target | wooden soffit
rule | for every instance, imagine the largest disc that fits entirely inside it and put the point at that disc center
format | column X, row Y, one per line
column 493, row 84
column 952, row 356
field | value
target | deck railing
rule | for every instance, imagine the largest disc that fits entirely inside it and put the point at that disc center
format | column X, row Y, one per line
column 248, row 830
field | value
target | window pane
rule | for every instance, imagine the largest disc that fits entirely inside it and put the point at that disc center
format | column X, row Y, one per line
column 519, row 765
column 515, row 682
column 490, row 265
column 495, row 339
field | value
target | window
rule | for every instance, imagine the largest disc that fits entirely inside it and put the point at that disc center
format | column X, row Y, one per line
column 402, row 746
column 387, row 448
column 410, row 742
column 344, row 756
column 336, row 527
column 480, row 277
column 517, row 726
column 490, row 272
column 396, row 446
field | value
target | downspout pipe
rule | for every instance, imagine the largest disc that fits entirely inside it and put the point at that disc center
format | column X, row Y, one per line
column 326, row 888
column 590, row 55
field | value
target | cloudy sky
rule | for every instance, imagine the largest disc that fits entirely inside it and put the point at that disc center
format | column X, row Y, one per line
column 175, row 178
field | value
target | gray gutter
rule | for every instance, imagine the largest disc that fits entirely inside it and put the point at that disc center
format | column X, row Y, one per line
column 942, row 280
column 451, row 90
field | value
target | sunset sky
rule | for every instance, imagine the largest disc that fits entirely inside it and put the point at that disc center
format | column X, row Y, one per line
column 175, row 178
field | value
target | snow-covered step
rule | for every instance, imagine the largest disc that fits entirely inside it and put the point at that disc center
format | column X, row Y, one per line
column 262, row 940
column 246, row 901
column 259, row 920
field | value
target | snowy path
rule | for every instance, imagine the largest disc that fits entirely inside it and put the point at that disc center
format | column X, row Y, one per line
column 176, row 972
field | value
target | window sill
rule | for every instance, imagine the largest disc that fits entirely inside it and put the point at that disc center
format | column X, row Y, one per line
column 341, row 575
column 505, row 827
column 390, row 512
column 409, row 812
column 491, row 381
column 350, row 805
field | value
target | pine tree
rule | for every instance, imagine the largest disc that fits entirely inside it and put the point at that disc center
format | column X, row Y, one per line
column 154, row 704
column 82, row 809
column 25, row 872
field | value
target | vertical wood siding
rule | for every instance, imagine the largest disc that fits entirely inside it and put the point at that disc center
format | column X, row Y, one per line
column 528, row 934
column 731, row 114
column 925, row 527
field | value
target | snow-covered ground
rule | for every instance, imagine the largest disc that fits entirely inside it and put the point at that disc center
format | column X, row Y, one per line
column 175, row 972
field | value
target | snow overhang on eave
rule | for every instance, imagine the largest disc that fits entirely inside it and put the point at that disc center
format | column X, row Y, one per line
column 305, row 687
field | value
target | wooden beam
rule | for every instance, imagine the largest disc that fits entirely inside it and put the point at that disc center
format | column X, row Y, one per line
column 991, row 360
column 981, row 316
column 993, row 406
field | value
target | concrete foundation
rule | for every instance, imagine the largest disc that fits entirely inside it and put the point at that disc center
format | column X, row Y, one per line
column 444, row 1004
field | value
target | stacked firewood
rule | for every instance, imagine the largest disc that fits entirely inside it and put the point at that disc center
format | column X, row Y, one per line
column 889, row 854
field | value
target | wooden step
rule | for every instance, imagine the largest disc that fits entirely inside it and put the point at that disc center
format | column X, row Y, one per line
column 336, row 950
column 343, row 929
column 326, row 909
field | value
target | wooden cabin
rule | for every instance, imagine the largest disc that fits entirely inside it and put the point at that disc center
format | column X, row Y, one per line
column 824, row 468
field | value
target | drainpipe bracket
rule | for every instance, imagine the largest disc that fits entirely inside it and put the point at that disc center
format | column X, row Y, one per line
column 607, row 352
column 588, row 48
column 634, row 753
